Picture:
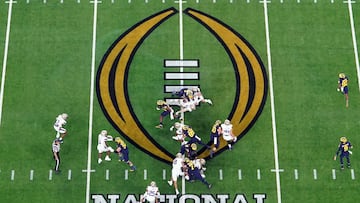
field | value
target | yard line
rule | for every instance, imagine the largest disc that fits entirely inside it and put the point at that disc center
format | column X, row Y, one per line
column 93, row 53
column 12, row 174
column 239, row 174
column 107, row 174
column 353, row 34
column 6, row 47
column 334, row 174
column 50, row 174
column 315, row 174
column 31, row 175
column 164, row 174
column 296, row 174
column 272, row 103
column 69, row 174
column 181, row 51
column 352, row 174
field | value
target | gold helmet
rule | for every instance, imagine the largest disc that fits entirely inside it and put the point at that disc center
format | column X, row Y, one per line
column 160, row 102
column 217, row 122
column 193, row 146
column 343, row 139
column 341, row 75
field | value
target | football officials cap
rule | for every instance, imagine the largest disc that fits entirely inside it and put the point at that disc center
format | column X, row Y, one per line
column 342, row 75
column 343, row 139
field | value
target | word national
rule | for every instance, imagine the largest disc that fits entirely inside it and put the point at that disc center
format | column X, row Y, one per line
column 202, row 198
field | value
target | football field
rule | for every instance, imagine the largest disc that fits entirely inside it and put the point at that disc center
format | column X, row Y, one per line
column 271, row 67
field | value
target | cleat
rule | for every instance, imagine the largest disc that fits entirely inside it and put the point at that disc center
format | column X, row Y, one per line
column 57, row 171
column 107, row 158
column 209, row 186
column 99, row 161
column 170, row 182
column 159, row 126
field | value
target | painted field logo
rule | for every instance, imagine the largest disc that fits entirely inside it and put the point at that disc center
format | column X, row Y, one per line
column 112, row 92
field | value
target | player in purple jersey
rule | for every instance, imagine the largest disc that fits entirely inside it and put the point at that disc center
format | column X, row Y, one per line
column 343, row 87
column 344, row 151
column 167, row 110
column 123, row 152
column 215, row 137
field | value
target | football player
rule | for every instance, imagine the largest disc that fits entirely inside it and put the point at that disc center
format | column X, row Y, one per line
column 200, row 164
column 194, row 173
column 59, row 126
column 176, row 171
column 189, row 151
column 179, row 136
column 343, row 87
column 102, row 146
column 215, row 136
column 198, row 97
column 167, row 110
column 344, row 151
column 227, row 133
column 151, row 194
column 123, row 152
column 190, row 133
column 185, row 106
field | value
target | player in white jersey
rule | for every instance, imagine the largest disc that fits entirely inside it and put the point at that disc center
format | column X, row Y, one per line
column 227, row 133
column 198, row 97
column 103, row 146
column 151, row 194
column 177, row 166
column 59, row 126
column 179, row 136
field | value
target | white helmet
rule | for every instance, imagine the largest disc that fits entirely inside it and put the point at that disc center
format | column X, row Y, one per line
column 202, row 161
column 103, row 132
column 177, row 125
column 178, row 155
column 153, row 183
column 227, row 122
column 64, row 116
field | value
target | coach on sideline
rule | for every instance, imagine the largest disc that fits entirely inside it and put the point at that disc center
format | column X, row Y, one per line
column 56, row 154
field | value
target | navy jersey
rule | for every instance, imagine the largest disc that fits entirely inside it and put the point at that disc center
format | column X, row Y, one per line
column 343, row 148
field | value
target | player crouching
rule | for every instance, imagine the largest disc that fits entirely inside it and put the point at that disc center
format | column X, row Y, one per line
column 102, row 146
column 123, row 151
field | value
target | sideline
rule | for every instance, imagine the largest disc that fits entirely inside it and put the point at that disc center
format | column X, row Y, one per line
column 7, row 39
column 353, row 34
column 93, row 53
column 273, row 118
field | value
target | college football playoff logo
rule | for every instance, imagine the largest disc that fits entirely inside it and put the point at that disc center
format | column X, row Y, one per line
column 111, row 81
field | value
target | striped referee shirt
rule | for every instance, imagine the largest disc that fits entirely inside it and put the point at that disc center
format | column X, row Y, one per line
column 55, row 147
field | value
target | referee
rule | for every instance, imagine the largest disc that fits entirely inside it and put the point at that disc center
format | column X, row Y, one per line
column 56, row 154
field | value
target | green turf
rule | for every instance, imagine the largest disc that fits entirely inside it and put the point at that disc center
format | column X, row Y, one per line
column 48, row 72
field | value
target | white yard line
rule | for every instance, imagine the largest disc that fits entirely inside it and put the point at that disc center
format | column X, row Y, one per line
column 88, row 171
column 272, row 103
column 181, row 47
column 353, row 33
column 6, row 47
